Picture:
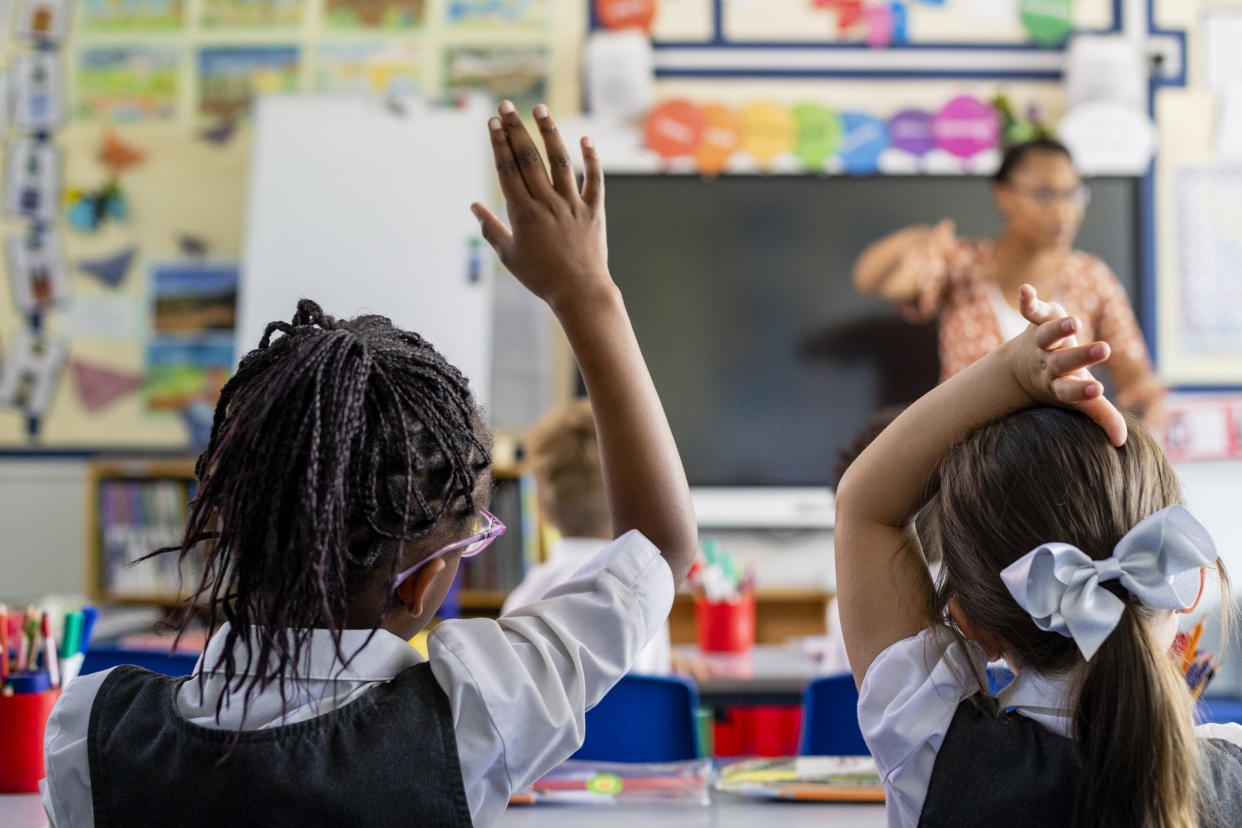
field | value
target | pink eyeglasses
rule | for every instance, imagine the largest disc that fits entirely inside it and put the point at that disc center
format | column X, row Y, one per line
column 487, row 528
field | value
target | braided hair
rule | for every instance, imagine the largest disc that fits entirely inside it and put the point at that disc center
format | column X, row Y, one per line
column 331, row 445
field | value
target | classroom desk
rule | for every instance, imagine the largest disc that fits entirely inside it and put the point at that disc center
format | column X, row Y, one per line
column 26, row 811
column 772, row 674
column 726, row 811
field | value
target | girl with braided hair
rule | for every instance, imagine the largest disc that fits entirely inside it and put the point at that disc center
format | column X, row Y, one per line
column 345, row 478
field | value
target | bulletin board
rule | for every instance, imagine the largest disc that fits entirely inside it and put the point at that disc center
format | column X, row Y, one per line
column 164, row 90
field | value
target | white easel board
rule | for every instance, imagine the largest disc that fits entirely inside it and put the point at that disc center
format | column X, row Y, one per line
column 362, row 204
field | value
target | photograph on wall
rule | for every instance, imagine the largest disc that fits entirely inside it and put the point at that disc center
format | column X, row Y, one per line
column 519, row 74
column 128, row 83
column 190, row 354
column 377, row 67
column 130, row 16
column 221, row 14
column 490, row 14
column 37, row 91
column 229, row 78
column 31, row 372
column 32, row 186
column 37, row 274
column 374, row 14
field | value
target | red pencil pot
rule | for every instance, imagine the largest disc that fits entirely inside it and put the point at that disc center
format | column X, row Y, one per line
column 725, row 626
column 23, row 718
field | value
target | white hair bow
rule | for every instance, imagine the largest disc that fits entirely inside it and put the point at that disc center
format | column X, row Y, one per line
column 1157, row 562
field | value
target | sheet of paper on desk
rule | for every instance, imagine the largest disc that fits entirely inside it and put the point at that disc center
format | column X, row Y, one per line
column 832, row 778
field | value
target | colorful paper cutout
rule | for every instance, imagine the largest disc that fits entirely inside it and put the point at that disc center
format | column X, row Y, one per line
column 110, row 270
column 722, row 135
column 89, row 210
column 966, row 126
column 674, row 128
column 768, row 130
column 819, row 134
column 911, row 131
column 99, row 387
column 221, row 133
column 117, row 155
column 195, row 247
column 866, row 136
column 878, row 19
column 1048, row 22
column 625, row 14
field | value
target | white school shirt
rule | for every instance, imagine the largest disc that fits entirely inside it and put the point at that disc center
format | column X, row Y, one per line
column 518, row 688
column 911, row 692
column 566, row 557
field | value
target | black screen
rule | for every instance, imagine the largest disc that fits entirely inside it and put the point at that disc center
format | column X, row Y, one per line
column 766, row 358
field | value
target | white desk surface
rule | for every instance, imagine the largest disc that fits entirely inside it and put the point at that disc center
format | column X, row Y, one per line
column 26, row 811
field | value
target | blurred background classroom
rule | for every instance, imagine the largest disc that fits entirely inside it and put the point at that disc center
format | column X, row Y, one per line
column 178, row 172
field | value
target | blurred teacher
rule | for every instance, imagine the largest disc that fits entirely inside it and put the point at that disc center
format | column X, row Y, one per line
column 972, row 284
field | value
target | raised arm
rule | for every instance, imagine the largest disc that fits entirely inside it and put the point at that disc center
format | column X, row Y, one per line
column 557, row 248
column 885, row 268
column 883, row 585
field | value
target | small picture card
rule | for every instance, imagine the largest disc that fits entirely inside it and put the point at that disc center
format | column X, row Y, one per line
column 37, row 271
column 37, row 93
column 46, row 20
column 32, row 190
column 31, row 372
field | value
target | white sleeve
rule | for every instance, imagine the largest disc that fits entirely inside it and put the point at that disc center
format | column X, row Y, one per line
column 67, row 788
column 519, row 687
column 1228, row 731
column 905, row 706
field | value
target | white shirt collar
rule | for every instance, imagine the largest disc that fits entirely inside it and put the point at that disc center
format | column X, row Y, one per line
column 1044, row 698
column 378, row 659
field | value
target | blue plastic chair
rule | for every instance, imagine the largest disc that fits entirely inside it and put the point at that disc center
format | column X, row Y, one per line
column 643, row 719
column 1220, row 710
column 104, row 656
column 830, row 718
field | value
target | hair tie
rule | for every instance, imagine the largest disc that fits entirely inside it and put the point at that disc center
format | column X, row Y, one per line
column 1157, row 562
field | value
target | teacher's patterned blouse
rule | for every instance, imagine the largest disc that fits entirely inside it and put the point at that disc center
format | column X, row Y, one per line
column 961, row 288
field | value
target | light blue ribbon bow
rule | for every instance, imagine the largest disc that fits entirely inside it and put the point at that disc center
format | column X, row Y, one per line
column 1157, row 561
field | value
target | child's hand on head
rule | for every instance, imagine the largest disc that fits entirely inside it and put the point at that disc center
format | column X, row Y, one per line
column 557, row 247
column 1052, row 367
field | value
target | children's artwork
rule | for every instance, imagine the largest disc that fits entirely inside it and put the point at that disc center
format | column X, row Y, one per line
column 32, row 372
column 89, row 210
column 673, row 128
column 722, row 135
column 230, row 77
column 819, row 134
column 768, row 130
column 33, row 185
column 378, row 67
column 626, row 14
column 865, row 137
column 191, row 353
column 267, row 13
column 1208, row 290
column 128, row 83
column 131, row 15
column 118, row 155
column 99, row 386
column 911, row 131
column 44, row 20
column 1048, row 22
column 374, row 14
column 38, row 99
column 517, row 73
column 36, row 272
column 966, row 126
column 110, row 270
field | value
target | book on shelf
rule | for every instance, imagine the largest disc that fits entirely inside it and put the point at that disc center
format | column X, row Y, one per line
column 137, row 517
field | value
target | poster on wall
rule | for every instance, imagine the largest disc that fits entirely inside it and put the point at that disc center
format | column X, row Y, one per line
column 374, row 14
column 519, row 74
column 1209, row 240
column 131, row 16
column 45, row 20
column 128, row 83
column 250, row 13
column 31, row 372
column 38, row 94
column 230, row 77
column 378, row 67
column 190, row 354
column 482, row 14
column 37, row 275
column 32, row 187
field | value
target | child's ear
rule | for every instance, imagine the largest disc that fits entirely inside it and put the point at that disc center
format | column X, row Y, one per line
column 989, row 642
column 411, row 591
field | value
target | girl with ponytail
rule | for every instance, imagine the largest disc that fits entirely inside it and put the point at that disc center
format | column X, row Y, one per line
column 1066, row 551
